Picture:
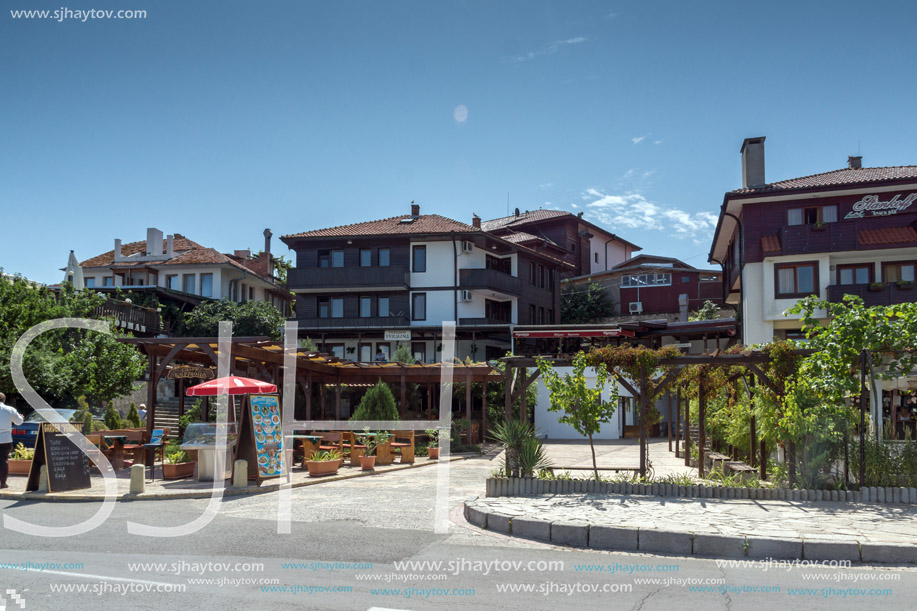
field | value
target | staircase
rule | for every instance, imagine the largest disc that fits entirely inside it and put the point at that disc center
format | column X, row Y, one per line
column 166, row 414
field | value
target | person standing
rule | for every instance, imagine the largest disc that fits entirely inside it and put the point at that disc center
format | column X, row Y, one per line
column 8, row 417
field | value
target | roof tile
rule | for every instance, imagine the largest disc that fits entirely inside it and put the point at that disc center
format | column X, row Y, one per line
column 770, row 244
column 425, row 223
column 887, row 235
column 845, row 176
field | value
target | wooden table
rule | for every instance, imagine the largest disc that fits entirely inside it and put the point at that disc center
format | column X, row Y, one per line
column 117, row 450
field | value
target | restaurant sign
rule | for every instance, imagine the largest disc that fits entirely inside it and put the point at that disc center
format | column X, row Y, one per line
column 871, row 205
column 189, row 372
column 398, row 336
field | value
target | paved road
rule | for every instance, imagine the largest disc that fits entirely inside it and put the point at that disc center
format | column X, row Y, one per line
column 373, row 523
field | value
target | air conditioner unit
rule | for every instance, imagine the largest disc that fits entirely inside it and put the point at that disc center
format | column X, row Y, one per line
column 467, row 246
column 466, row 295
column 635, row 307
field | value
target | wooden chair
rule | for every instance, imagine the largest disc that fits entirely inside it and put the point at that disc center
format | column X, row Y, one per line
column 404, row 440
column 384, row 455
column 356, row 450
column 332, row 441
column 134, row 446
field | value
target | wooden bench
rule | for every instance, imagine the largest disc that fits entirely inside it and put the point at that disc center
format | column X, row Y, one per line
column 744, row 471
column 404, row 440
column 716, row 457
column 551, row 470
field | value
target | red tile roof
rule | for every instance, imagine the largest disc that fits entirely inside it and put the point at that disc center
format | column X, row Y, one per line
column 425, row 223
column 843, row 177
column 521, row 237
column 887, row 235
column 770, row 243
column 529, row 216
column 179, row 244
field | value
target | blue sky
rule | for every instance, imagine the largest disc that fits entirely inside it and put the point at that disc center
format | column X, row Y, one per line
column 216, row 120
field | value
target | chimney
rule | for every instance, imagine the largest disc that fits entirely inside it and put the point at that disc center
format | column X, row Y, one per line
column 415, row 209
column 267, row 241
column 476, row 221
column 517, row 211
column 153, row 242
column 855, row 162
column 170, row 249
column 752, row 162
column 117, row 249
column 243, row 254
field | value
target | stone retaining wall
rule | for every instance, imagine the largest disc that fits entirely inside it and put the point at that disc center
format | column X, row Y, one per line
column 528, row 486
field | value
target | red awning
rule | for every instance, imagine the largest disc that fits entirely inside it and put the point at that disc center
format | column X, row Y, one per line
column 232, row 385
column 575, row 333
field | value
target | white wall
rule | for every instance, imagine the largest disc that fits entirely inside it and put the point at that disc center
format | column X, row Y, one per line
column 617, row 253
column 547, row 422
column 439, row 266
column 440, row 307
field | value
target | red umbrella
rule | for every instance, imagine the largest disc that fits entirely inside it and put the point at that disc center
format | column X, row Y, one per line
column 232, row 385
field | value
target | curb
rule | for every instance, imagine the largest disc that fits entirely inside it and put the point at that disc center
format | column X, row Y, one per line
column 206, row 494
column 652, row 541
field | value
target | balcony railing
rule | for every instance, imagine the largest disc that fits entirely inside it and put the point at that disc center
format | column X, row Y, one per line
column 360, row 322
column 325, row 278
column 472, row 279
column 888, row 294
column 474, row 322
column 130, row 317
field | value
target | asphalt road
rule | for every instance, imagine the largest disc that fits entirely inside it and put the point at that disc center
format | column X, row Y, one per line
column 342, row 552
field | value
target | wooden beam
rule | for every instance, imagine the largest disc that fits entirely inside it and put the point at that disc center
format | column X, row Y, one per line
column 468, row 399
column 678, row 422
column 165, row 362
column 687, row 425
column 151, row 395
column 337, row 402
column 762, row 377
column 404, row 397
column 668, row 423
column 508, row 379
column 483, row 411
column 701, row 422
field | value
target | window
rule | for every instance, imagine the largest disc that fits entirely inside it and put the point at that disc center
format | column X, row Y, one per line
column 207, row 285
column 337, row 307
column 251, row 293
column 541, row 316
column 365, row 353
column 187, row 283
column 90, row 282
column 812, row 215
column 532, row 273
column 171, row 282
column 854, row 274
column 243, row 293
column 366, row 257
column 384, row 257
column 385, row 349
column 324, row 307
column 337, row 258
column 324, row 258
column 551, row 279
column 419, row 306
column 335, row 350
column 685, row 279
column 504, row 266
column 419, row 351
column 596, row 257
column 542, row 277
column 366, row 307
column 383, row 307
column 550, row 316
column 709, row 278
column 497, row 310
column 796, row 279
column 647, row 280
column 419, row 259
column 108, row 281
column 898, row 272
column 532, row 314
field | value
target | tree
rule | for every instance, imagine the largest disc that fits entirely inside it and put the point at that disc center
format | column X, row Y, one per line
column 112, row 417
column 403, row 354
column 377, row 404
column 249, row 319
column 133, row 416
column 580, row 406
column 708, row 311
column 585, row 304
column 62, row 364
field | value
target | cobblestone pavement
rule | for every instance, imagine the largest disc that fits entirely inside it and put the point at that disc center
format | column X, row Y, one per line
column 617, row 453
column 770, row 519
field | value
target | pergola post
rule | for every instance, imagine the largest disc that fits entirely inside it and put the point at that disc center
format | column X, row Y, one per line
column 642, row 419
column 668, row 424
column 483, row 410
column 687, row 431
column 523, row 408
column 308, row 394
column 678, row 422
column 753, row 438
column 701, row 422
column 508, row 390
column 468, row 399
column 321, row 400
column 404, row 396
column 429, row 401
column 151, row 394
column 337, row 401
column 181, row 397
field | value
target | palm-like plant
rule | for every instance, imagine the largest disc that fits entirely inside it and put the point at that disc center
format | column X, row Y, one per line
column 532, row 457
column 512, row 434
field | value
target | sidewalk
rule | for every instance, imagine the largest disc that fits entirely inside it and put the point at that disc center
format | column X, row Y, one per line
column 709, row 527
column 620, row 453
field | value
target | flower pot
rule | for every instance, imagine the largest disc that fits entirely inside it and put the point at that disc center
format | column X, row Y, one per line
column 177, row 470
column 19, row 467
column 433, row 453
column 324, row 467
column 367, row 463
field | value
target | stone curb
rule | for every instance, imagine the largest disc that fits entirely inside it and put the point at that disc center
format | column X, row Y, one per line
column 206, row 494
column 528, row 486
column 651, row 541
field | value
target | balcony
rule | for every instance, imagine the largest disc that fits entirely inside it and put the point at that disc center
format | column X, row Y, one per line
column 137, row 319
column 889, row 294
column 476, row 322
column 476, row 279
column 346, row 279
column 350, row 323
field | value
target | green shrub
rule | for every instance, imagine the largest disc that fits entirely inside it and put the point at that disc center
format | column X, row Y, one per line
column 377, row 404
column 133, row 416
column 87, row 423
column 112, row 417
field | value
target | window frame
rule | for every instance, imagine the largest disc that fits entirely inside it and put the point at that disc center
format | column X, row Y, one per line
column 415, row 249
column 388, row 309
column 368, row 252
column 887, row 264
column 414, row 299
column 819, row 214
column 854, row 266
column 422, row 351
column 326, row 302
column 209, row 276
column 338, row 253
column 184, row 283
column 388, row 257
column 797, row 294
column 532, row 275
column 334, row 301
column 367, row 299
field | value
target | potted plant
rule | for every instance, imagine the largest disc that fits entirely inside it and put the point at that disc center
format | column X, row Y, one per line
column 433, row 446
column 371, row 441
column 819, row 226
column 324, row 463
column 177, row 464
column 876, row 286
column 905, row 285
column 21, row 461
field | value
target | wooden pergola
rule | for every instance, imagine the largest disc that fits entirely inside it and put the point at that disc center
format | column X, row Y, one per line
column 518, row 380
column 263, row 358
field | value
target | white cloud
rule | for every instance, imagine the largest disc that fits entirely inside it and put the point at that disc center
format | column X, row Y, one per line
column 546, row 185
column 657, row 141
column 633, row 211
column 638, row 139
column 460, row 113
column 550, row 49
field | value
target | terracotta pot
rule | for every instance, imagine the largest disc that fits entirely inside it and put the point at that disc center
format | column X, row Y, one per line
column 178, row 470
column 323, row 467
column 433, row 453
column 19, row 467
column 368, row 463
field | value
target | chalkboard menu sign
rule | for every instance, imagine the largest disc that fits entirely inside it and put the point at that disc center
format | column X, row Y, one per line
column 261, row 437
column 68, row 466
